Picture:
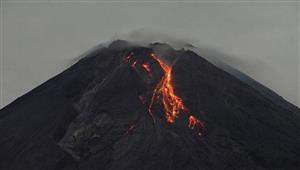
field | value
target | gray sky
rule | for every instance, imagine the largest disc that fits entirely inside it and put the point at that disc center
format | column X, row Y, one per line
column 40, row 39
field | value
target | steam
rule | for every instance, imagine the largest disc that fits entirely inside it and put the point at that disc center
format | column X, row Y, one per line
column 259, row 68
column 145, row 37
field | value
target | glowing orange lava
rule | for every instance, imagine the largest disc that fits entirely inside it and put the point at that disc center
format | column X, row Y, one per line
column 164, row 93
column 172, row 103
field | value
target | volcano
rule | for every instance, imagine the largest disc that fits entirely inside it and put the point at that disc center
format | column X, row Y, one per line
column 132, row 107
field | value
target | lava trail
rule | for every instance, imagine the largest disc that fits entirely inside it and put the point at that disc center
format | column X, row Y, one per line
column 172, row 103
column 164, row 93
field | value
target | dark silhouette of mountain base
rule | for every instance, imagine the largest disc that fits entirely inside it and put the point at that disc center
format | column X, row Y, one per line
column 95, row 115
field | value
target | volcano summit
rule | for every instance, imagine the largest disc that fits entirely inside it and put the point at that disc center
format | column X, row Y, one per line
column 133, row 107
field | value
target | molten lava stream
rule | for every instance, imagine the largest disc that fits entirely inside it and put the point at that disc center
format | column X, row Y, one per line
column 172, row 103
column 164, row 93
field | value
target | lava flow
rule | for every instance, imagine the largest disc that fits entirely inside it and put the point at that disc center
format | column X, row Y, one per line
column 172, row 103
column 164, row 93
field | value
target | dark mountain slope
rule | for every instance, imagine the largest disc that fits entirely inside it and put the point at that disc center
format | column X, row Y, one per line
column 264, row 128
column 32, row 125
column 268, row 93
column 95, row 115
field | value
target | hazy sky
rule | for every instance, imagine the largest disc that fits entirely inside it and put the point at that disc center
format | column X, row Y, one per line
column 40, row 39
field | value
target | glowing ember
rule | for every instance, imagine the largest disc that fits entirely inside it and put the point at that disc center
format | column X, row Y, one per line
column 133, row 64
column 128, row 58
column 146, row 66
column 193, row 122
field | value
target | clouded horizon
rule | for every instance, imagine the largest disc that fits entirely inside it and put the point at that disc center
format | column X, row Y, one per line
column 41, row 39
